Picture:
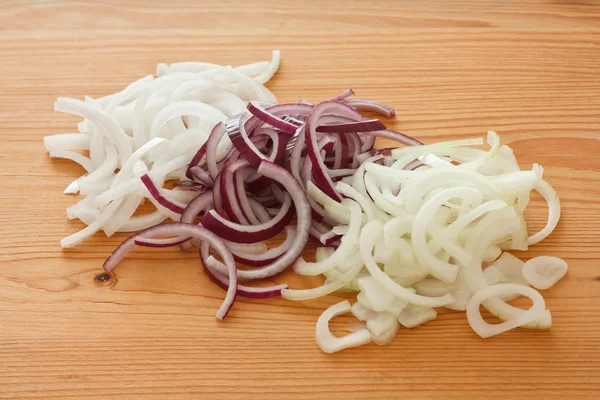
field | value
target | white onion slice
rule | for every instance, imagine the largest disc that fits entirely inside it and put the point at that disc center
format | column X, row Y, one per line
column 341, row 280
column 544, row 271
column 67, row 141
column 361, row 312
column 548, row 193
column 84, row 161
column 386, row 337
column 486, row 330
column 494, row 141
column 381, row 323
column 348, row 242
column 511, row 267
column 413, row 316
column 370, row 209
column 111, row 127
column 323, row 252
column 433, row 287
column 334, row 209
column 329, row 343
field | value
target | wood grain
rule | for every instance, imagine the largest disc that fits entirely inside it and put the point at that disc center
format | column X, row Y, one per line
column 528, row 69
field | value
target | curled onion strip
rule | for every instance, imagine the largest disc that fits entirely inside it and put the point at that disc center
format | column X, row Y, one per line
column 486, row 330
column 329, row 343
column 178, row 229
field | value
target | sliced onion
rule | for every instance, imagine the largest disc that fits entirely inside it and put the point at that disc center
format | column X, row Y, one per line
column 544, row 271
column 348, row 242
column 370, row 105
column 267, row 257
column 486, row 330
column 211, row 264
column 381, row 323
column 357, row 126
column 548, row 193
column 154, row 192
column 340, row 281
column 386, row 337
column 329, row 343
column 67, row 141
column 413, row 316
column 265, row 116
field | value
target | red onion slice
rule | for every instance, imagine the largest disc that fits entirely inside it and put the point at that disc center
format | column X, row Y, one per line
column 237, row 129
column 210, row 264
column 370, row 105
column 168, row 242
column 229, row 196
column 197, row 158
column 369, row 125
column 265, row 116
column 211, row 149
column 320, row 176
column 244, row 202
column 268, row 257
column 294, row 110
column 249, row 233
column 179, row 229
column 160, row 199
column 202, row 202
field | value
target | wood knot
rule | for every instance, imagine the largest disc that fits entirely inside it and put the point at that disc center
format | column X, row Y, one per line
column 105, row 279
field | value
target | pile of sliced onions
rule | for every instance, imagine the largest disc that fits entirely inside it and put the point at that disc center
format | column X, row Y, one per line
column 153, row 127
column 426, row 227
column 410, row 228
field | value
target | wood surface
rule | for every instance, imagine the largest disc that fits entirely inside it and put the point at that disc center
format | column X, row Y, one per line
column 528, row 69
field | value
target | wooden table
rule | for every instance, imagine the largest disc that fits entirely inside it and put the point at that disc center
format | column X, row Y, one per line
column 528, row 69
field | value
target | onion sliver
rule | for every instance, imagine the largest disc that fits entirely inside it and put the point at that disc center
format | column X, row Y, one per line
column 111, row 126
column 486, row 330
column 211, row 265
column 548, row 193
column 269, row 256
column 544, row 271
column 155, row 193
column 256, row 109
column 321, row 178
column 67, row 141
column 340, row 281
column 348, row 242
column 370, row 105
column 178, row 229
column 329, row 343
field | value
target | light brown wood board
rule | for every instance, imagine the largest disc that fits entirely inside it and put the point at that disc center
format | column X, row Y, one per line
column 527, row 69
